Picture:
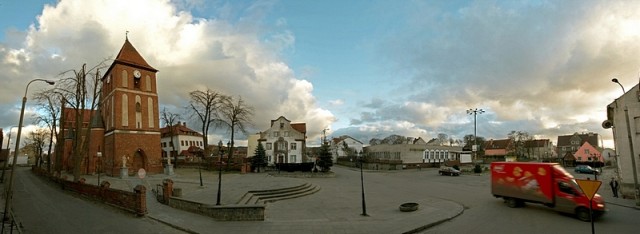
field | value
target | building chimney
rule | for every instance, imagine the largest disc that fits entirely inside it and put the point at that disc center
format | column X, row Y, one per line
column 184, row 124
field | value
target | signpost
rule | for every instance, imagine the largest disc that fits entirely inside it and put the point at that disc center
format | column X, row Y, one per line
column 589, row 188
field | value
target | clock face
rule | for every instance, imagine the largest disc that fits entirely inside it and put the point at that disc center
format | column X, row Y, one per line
column 136, row 74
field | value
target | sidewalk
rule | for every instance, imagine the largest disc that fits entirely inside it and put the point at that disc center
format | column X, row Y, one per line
column 605, row 189
column 333, row 209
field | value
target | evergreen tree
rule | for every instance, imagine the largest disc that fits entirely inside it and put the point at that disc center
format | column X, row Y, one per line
column 325, row 161
column 259, row 158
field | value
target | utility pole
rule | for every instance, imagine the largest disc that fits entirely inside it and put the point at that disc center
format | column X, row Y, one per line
column 475, row 113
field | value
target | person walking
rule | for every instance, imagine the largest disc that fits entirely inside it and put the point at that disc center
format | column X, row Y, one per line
column 614, row 186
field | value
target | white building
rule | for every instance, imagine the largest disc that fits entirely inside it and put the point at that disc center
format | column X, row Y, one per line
column 623, row 117
column 338, row 150
column 185, row 140
column 284, row 142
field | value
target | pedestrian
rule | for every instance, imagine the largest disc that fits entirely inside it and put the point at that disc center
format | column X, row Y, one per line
column 614, row 186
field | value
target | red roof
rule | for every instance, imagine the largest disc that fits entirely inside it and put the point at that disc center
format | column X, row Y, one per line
column 300, row 127
column 179, row 129
column 129, row 55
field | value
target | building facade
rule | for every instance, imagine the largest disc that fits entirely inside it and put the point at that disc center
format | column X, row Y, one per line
column 338, row 147
column 623, row 117
column 284, row 142
column 179, row 140
column 571, row 143
column 125, row 129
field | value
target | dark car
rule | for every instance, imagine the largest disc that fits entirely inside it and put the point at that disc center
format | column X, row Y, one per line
column 586, row 169
column 450, row 171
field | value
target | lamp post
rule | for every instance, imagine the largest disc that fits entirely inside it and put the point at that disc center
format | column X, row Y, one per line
column 99, row 155
column 6, row 160
column 9, row 194
column 632, row 154
column 475, row 113
column 219, row 172
column 364, row 204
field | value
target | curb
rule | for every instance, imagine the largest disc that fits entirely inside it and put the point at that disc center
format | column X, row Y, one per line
column 433, row 224
column 173, row 225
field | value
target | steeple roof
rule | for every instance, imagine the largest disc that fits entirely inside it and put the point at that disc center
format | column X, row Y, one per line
column 129, row 55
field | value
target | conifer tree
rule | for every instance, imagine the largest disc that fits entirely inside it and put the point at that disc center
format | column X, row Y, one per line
column 259, row 158
column 325, row 161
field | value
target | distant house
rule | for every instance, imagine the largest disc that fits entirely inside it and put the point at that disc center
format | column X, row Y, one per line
column 499, row 150
column 182, row 141
column 540, row 150
column 588, row 154
column 571, row 143
column 413, row 152
column 338, row 147
column 284, row 142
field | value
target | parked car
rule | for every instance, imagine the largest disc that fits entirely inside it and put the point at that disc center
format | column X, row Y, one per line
column 450, row 171
column 586, row 169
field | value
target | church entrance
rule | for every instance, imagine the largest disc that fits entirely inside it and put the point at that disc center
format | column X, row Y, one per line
column 138, row 160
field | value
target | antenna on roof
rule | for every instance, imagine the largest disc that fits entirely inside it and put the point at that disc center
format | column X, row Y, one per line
column 126, row 35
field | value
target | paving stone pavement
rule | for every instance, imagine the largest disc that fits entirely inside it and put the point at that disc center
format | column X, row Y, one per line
column 331, row 210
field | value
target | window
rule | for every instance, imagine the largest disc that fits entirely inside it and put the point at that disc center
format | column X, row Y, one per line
column 125, row 110
column 566, row 188
column 286, row 134
column 147, row 81
column 586, row 151
column 294, row 146
column 275, row 134
column 268, row 146
column 124, row 79
column 150, row 112
column 181, row 143
column 281, row 125
column 292, row 159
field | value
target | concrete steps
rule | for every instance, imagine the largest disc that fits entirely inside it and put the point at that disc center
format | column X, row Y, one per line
column 273, row 195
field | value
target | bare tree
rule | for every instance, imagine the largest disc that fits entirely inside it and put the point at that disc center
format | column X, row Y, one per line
column 170, row 119
column 519, row 138
column 442, row 138
column 81, row 92
column 204, row 105
column 235, row 116
column 37, row 140
column 50, row 105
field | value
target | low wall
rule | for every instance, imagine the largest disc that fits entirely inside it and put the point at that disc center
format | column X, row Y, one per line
column 134, row 202
column 221, row 213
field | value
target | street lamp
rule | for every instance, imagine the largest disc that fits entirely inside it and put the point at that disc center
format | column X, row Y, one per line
column 9, row 194
column 632, row 154
column 6, row 160
column 219, row 172
column 614, row 80
column 99, row 154
column 364, row 205
column 475, row 113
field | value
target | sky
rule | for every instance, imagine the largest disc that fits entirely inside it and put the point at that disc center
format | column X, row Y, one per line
column 363, row 68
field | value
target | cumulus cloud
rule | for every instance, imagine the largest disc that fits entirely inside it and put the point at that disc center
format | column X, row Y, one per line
column 541, row 67
column 234, row 52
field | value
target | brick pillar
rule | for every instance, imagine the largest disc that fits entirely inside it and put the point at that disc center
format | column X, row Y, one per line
column 141, row 200
column 167, row 190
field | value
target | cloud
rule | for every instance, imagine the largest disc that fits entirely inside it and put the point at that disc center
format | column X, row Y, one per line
column 542, row 67
column 234, row 52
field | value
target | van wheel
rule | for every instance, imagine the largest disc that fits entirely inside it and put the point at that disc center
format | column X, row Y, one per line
column 511, row 202
column 583, row 214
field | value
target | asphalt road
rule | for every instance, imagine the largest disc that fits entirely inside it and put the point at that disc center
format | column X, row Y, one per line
column 486, row 214
column 42, row 208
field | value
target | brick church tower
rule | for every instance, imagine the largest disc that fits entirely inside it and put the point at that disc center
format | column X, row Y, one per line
column 129, row 110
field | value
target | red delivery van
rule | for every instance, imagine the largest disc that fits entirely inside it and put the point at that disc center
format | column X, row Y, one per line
column 545, row 183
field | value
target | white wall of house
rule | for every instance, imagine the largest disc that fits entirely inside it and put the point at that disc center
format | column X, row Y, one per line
column 630, row 101
column 181, row 142
column 337, row 147
column 283, row 143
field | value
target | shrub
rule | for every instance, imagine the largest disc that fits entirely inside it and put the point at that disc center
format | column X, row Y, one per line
column 477, row 169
